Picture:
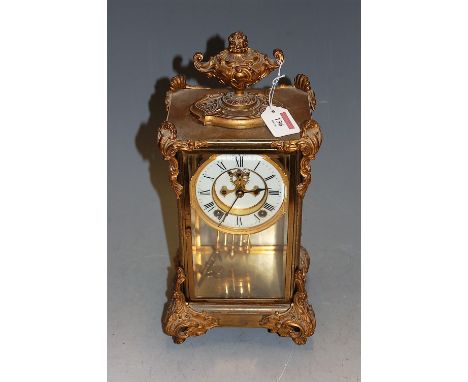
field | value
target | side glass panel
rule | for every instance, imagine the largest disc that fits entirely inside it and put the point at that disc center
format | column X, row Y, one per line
column 230, row 265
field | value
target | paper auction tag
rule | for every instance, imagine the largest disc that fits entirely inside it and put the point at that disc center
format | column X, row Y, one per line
column 279, row 121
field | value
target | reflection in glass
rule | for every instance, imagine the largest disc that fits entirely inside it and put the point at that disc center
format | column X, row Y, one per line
column 237, row 266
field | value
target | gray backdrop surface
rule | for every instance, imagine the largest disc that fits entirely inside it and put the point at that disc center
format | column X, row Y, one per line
column 151, row 41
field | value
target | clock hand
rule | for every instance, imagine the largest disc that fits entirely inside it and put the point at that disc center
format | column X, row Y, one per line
column 224, row 190
column 227, row 213
column 255, row 190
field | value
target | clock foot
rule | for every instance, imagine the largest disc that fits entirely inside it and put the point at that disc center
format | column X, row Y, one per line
column 298, row 322
column 180, row 320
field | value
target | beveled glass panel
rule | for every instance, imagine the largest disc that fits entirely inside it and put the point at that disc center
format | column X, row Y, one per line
column 237, row 266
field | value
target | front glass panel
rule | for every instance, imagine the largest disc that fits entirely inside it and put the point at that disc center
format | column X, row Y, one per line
column 239, row 223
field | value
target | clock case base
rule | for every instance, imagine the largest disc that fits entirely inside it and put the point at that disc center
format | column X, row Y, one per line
column 296, row 320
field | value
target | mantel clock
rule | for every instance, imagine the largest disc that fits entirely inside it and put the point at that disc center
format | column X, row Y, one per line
column 239, row 192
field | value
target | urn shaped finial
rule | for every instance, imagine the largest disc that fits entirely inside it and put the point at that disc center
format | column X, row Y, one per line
column 239, row 67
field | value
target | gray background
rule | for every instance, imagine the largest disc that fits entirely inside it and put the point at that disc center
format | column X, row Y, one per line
column 149, row 42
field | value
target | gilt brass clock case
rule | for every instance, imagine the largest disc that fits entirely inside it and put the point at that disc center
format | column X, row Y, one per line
column 249, row 278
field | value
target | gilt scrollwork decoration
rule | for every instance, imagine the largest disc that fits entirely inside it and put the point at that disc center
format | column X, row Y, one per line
column 181, row 321
column 302, row 82
column 298, row 322
column 169, row 145
column 177, row 82
column 308, row 144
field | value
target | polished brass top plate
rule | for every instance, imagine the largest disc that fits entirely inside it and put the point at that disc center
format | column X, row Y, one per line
column 188, row 128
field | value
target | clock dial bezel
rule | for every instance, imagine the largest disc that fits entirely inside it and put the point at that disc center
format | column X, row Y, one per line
column 282, row 209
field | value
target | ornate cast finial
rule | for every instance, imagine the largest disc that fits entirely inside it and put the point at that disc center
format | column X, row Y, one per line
column 238, row 42
column 239, row 67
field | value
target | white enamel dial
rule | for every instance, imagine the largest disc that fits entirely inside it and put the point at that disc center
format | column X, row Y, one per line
column 239, row 193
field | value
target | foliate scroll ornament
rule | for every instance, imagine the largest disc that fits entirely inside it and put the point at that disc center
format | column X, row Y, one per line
column 308, row 145
column 301, row 81
column 298, row 322
column 169, row 146
column 178, row 82
column 181, row 321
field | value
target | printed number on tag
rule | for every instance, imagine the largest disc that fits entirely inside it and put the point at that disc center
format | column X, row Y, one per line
column 279, row 121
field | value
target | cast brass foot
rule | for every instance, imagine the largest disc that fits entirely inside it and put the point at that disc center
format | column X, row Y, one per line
column 181, row 321
column 298, row 322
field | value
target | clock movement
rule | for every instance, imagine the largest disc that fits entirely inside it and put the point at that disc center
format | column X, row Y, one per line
column 239, row 191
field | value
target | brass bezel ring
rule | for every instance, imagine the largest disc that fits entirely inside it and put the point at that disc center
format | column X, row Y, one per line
column 239, row 231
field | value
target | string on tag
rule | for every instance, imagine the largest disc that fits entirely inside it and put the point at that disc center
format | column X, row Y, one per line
column 274, row 83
